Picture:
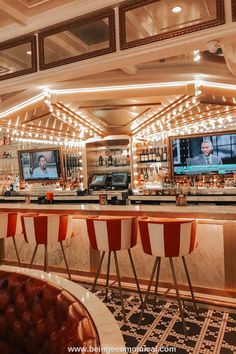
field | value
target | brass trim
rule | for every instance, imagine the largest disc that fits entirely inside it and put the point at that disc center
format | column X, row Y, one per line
column 16, row 42
column 109, row 13
column 220, row 19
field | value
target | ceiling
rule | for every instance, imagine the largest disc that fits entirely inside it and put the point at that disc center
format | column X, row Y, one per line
column 133, row 108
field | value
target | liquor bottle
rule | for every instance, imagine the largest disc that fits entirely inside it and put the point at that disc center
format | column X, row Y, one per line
column 142, row 156
column 100, row 161
column 164, row 155
column 141, row 175
column 188, row 183
column 161, row 153
column 154, row 155
column 146, row 176
column 158, row 158
column 109, row 160
column 127, row 157
column 150, row 155
column 146, row 156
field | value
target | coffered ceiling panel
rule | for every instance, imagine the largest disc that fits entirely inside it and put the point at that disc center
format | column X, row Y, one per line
column 150, row 20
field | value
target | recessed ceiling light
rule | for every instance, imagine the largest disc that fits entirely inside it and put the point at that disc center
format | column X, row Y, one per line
column 29, row 52
column 176, row 9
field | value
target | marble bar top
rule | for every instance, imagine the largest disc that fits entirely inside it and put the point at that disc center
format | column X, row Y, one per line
column 197, row 211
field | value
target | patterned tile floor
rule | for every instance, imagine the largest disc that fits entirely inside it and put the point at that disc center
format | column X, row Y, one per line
column 211, row 331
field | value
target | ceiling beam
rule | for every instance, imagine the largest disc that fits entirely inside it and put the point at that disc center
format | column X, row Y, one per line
column 120, row 106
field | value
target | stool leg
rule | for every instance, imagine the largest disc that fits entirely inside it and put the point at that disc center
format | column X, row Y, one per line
column 190, row 284
column 177, row 294
column 17, row 253
column 66, row 263
column 108, row 271
column 34, row 253
column 148, row 290
column 99, row 268
column 119, row 284
column 135, row 275
column 157, row 281
column 46, row 258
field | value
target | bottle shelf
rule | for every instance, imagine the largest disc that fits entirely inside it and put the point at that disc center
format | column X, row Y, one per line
column 108, row 148
column 148, row 163
column 109, row 168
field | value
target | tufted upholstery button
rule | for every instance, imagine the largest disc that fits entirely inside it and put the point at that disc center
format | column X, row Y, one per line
column 37, row 317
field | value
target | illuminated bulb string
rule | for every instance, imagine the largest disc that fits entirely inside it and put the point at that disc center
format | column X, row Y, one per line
column 59, row 112
column 197, row 127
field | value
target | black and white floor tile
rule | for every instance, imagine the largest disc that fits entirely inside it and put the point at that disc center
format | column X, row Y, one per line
column 209, row 331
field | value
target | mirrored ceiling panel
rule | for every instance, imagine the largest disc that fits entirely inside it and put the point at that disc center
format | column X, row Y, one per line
column 17, row 58
column 77, row 40
column 147, row 21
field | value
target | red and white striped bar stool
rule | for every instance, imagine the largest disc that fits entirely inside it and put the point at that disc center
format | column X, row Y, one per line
column 168, row 238
column 47, row 230
column 10, row 227
column 112, row 234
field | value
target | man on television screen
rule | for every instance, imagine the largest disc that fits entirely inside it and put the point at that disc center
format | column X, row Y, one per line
column 206, row 158
column 43, row 171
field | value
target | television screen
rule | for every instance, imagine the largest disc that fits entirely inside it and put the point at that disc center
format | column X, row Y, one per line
column 206, row 154
column 40, row 165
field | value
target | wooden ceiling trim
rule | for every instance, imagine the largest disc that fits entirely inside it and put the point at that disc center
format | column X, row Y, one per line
column 120, row 106
column 31, row 39
column 233, row 2
column 36, row 118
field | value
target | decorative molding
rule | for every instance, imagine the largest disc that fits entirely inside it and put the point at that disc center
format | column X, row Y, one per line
column 65, row 12
column 233, row 10
column 33, row 3
column 131, row 5
column 16, row 42
column 108, row 14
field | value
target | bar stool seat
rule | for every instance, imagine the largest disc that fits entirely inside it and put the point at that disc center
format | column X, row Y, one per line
column 10, row 227
column 111, row 234
column 43, row 229
column 168, row 237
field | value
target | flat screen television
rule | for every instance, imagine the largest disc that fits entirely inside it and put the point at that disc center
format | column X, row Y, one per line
column 98, row 181
column 40, row 165
column 204, row 154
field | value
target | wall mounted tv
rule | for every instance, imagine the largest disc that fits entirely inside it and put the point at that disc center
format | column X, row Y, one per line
column 204, row 154
column 40, row 165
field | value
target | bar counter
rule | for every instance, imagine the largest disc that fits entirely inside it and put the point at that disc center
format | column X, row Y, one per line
column 212, row 265
column 214, row 212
